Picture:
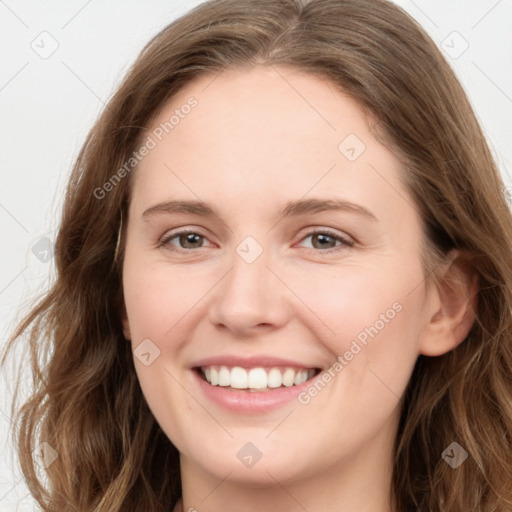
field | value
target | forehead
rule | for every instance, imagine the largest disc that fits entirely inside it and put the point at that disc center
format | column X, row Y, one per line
column 268, row 106
column 272, row 133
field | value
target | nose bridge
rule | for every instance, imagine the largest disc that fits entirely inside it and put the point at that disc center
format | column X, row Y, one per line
column 249, row 295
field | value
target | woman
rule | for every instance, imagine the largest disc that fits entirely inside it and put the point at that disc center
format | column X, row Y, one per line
column 263, row 368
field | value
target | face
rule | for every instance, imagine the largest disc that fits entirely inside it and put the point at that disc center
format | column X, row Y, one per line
column 274, row 291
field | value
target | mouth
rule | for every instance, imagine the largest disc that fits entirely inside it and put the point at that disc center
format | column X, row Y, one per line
column 255, row 379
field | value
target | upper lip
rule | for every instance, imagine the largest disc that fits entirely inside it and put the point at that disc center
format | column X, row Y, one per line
column 250, row 362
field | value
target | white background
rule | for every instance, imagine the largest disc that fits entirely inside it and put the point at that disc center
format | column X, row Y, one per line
column 49, row 104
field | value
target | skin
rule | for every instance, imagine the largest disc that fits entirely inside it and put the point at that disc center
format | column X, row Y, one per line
column 257, row 140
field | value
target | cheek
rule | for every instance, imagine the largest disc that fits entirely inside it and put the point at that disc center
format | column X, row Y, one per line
column 371, row 318
column 353, row 299
column 157, row 304
column 156, row 299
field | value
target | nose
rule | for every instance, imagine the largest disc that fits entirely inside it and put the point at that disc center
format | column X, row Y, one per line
column 250, row 298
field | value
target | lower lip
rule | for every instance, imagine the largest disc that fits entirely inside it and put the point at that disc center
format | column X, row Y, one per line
column 250, row 402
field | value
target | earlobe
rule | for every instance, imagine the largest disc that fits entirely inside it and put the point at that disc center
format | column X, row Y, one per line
column 454, row 300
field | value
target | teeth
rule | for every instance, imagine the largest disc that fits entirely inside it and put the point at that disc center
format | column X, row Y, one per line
column 300, row 377
column 288, row 376
column 224, row 376
column 274, row 379
column 238, row 378
column 256, row 378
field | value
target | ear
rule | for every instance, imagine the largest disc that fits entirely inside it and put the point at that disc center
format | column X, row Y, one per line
column 453, row 306
column 126, row 325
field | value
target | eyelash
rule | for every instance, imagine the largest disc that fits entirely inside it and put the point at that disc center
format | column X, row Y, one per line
column 345, row 243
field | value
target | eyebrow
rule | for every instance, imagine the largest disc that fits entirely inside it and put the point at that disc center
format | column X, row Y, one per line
column 292, row 208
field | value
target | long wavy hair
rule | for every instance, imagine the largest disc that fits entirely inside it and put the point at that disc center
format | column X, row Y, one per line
column 86, row 402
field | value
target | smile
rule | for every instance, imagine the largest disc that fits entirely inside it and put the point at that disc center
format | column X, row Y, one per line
column 256, row 379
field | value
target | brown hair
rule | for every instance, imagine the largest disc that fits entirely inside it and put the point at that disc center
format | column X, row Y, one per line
column 86, row 400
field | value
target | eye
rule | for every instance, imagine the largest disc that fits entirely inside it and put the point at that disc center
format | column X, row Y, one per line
column 186, row 239
column 322, row 239
column 325, row 240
